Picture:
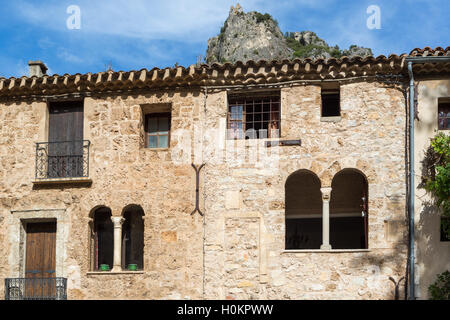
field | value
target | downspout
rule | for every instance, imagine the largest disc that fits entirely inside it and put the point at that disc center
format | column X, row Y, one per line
column 411, row 181
column 411, row 61
column 204, row 199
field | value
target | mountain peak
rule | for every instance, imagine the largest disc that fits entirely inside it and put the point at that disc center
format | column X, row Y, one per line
column 247, row 36
column 256, row 36
column 236, row 10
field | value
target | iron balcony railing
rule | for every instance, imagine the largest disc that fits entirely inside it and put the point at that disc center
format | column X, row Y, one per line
column 36, row 289
column 68, row 159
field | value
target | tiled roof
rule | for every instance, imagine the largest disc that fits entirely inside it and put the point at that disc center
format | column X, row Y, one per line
column 425, row 69
column 239, row 73
column 430, row 52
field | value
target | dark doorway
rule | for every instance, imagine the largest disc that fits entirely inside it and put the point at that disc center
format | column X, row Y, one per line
column 133, row 237
column 303, row 211
column 104, row 238
column 349, row 210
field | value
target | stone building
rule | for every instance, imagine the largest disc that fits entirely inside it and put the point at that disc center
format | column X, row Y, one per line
column 256, row 180
column 432, row 82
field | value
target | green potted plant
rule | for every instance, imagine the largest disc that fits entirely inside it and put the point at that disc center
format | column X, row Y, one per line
column 104, row 267
column 132, row 267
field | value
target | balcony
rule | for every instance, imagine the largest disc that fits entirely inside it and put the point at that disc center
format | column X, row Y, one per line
column 62, row 162
column 36, row 289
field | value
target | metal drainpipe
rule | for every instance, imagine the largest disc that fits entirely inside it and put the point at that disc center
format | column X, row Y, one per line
column 410, row 61
column 411, row 181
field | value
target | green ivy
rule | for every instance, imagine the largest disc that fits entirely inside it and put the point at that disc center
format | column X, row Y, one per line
column 436, row 173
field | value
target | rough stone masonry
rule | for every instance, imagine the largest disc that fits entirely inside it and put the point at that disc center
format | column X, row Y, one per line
column 237, row 249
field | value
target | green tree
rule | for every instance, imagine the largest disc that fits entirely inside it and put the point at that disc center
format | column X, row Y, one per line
column 436, row 175
column 440, row 290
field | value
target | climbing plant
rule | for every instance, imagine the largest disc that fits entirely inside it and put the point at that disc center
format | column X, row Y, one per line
column 440, row 290
column 436, row 175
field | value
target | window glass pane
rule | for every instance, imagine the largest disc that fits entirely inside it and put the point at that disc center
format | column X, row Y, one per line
column 258, row 107
column 236, row 113
column 163, row 124
column 153, row 125
column 235, row 130
column 152, row 141
column 444, row 115
column 163, row 142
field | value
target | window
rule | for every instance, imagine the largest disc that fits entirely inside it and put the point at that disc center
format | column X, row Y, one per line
column 445, row 228
column 349, row 211
column 157, row 128
column 303, row 211
column 133, row 238
column 103, row 238
column 444, row 115
column 331, row 103
column 254, row 117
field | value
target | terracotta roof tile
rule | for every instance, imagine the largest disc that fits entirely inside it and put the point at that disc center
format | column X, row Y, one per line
column 427, row 52
column 239, row 73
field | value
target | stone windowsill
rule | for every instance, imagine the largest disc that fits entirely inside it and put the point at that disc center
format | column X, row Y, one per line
column 155, row 149
column 327, row 251
column 101, row 273
column 62, row 181
column 330, row 119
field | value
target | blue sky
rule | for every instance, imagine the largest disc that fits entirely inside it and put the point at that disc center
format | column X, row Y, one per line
column 136, row 34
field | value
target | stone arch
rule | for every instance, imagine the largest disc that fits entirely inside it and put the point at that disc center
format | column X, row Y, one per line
column 133, row 236
column 303, row 210
column 349, row 210
column 366, row 169
column 327, row 175
column 94, row 209
column 133, row 206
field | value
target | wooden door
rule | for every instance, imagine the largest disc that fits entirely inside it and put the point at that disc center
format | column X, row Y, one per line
column 65, row 139
column 40, row 261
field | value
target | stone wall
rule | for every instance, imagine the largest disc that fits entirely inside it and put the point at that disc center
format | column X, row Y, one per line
column 122, row 173
column 244, row 200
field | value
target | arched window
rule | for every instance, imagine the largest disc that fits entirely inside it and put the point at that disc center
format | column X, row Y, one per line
column 349, row 210
column 103, row 237
column 133, row 237
column 303, row 204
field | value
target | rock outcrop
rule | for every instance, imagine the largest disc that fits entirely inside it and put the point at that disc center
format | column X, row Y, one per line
column 248, row 36
column 255, row 36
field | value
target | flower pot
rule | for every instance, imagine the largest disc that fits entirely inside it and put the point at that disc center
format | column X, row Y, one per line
column 132, row 267
column 104, row 267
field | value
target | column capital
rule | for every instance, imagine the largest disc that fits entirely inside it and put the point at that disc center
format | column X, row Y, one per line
column 326, row 193
column 117, row 221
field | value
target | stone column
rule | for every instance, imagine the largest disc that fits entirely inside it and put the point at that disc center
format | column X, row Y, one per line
column 117, row 264
column 326, row 196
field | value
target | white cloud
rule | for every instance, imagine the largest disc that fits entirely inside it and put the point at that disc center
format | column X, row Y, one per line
column 179, row 20
column 64, row 54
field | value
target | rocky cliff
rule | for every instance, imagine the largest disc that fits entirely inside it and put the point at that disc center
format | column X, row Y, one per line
column 247, row 36
column 255, row 36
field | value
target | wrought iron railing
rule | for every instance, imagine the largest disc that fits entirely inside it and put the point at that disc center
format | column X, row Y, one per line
column 36, row 289
column 69, row 159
